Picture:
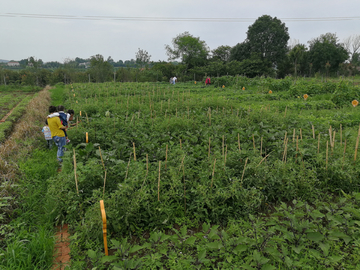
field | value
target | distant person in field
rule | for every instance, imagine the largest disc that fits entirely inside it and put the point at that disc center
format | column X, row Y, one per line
column 47, row 134
column 174, row 80
column 207, row 81
column 57, row 133
column 64, row 118
column 171, row 80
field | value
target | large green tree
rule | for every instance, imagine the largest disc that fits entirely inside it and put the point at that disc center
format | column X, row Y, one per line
column 191, row 50
column 100, row 69
column 298, row 56
column 326, row 53
column 221, row 53
column 268, row 37
column 240, row 52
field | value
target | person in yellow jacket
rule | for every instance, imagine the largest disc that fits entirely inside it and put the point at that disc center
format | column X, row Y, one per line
column 57, row 133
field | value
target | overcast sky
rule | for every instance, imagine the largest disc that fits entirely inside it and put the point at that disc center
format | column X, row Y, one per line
column 56, row 39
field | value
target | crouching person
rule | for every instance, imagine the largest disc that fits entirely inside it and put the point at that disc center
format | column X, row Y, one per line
column 57, row 133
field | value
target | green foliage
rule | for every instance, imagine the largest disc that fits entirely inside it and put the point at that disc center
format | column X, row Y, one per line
column 191, row 50
column 273, row 33
column 293, row 235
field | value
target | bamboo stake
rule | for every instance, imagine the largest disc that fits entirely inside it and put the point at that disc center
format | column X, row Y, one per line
column 344, row 155
column 134, row 151
column 356, row 146
column 209, row 147
column 180, row 144
column 104, row 185
column 225, row 156
column 184, row 189
column 166, row 155
column 333, row 142
column 253, row 142
column 262, row 160
column 294, row 135
column 285, row 137
column 102, row 161
column 87, row 137
column 159, row 181
column 330, row 134
column 182, row 162
column 213, row 172
column 147, row 170
column 239, row 142
column 103, row 217
column 340, row 134
column 300, row 134
column 76, row 183
column 242, row 177
column 223, row 145
column 209, row 116
column 327, row 152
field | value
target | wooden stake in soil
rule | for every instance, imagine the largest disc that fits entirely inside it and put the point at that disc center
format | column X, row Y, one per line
column 102, row 161
column 330, row 134
column 223, row 145
column 103, row 216
column 327, row 153
column 300, row 134
column 294, row 135
column 159, row 181
column 253, row 142
column 76, row 183
column 239, row 142
column 134, row 149
column 356, row 147
column 225, row 156
column 166, row 155
column 242, row 177
column 340, row 134
column 209, row 147
column 213, row 172
column 180, row 144
column 344, row 155
column 104, row 185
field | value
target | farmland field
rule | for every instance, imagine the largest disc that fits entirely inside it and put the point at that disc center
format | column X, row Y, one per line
column 12, row 105
column 260, row 175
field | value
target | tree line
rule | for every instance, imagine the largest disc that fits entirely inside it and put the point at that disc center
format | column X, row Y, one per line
column 266, row 51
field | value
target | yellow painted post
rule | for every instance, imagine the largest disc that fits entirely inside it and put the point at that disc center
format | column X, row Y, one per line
column 87, row 137
column 103, row 216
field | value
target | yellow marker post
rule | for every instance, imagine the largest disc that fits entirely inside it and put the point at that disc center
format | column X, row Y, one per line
column 103, row 216
column 87, row 137
column 80, row 113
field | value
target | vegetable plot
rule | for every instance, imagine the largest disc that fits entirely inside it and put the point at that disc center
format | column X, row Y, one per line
column 158, row 155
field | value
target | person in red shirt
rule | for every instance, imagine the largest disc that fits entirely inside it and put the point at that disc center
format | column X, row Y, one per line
column 207, row 81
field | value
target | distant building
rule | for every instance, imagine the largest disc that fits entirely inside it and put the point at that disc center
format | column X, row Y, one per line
column 85, row 65
column 13, row 64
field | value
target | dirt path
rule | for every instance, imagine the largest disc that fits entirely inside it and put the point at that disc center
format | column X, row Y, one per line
column 8, row 114
column 62, row 250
